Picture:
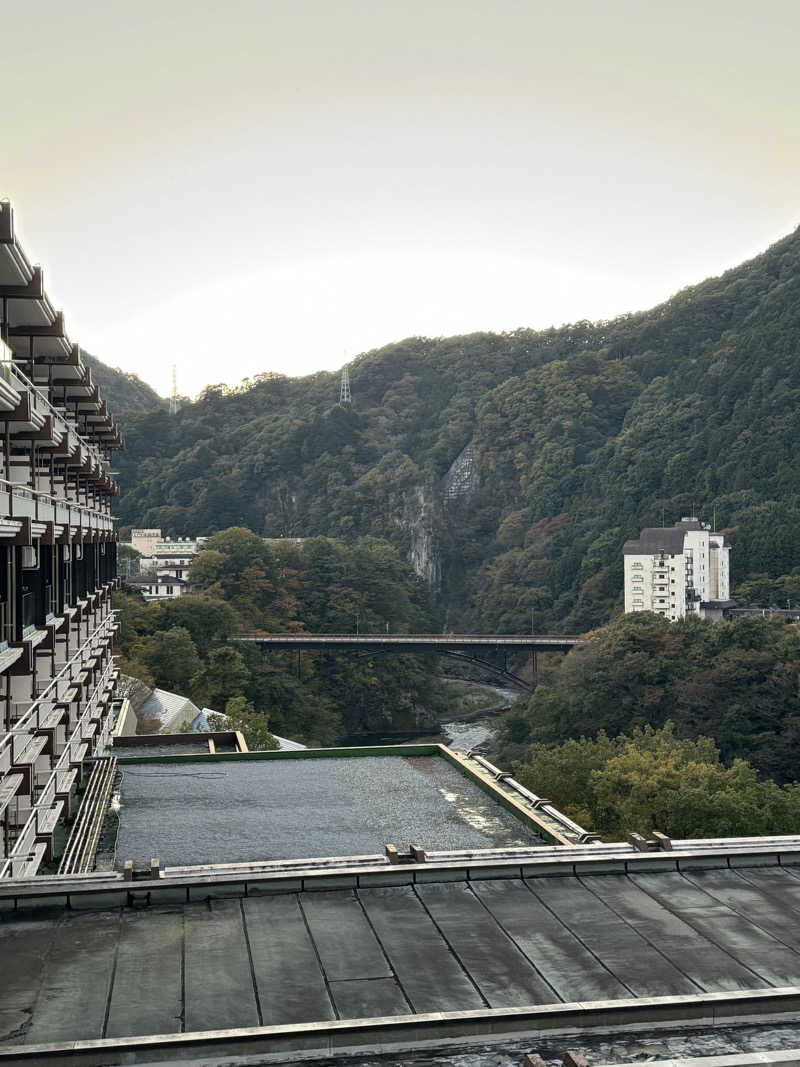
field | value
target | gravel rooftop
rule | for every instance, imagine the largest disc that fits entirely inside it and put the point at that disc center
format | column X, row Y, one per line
column 229, row 812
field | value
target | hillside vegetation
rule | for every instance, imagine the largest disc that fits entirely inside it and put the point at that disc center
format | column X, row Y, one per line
column 121, row 390
column 511, row 468
column 735, row 681
column 649, row 780
column 324, row 587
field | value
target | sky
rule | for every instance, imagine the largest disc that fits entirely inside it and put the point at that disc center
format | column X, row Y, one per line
column 278, row 185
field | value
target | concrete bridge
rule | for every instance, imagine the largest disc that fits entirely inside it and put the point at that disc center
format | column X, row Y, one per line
column 472, row 648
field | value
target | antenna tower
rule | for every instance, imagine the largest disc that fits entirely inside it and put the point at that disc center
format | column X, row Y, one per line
column 173, row 398
column 344, row 392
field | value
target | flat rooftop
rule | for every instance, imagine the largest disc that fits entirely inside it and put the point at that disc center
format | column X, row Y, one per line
column 213, row 811
column 572, row 943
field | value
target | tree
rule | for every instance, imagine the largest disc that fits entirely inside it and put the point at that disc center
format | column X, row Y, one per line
column 171, row 658
column 734, row 681
column 128, row 560
column 208, row 619
column 254, row 726
column 651, row 780
column 319, row 585
column 223, row 677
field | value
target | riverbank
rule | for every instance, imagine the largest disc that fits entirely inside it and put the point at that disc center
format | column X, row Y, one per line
column 472, row 723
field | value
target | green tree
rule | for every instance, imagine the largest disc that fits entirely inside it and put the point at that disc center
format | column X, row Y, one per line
column 651, row 780
column 736, row 681
column 171, row 658
column 208, row 619
column 223, row 677
column 254, row 726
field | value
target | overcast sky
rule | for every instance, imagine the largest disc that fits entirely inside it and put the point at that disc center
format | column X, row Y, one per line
column 256, row 185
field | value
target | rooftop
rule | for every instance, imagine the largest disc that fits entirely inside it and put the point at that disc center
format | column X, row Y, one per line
column 601, row 937
column 253, row 809
column 667, row 539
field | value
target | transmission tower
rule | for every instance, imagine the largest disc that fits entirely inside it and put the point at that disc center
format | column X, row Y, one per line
column 344, row 392
column 173, row 399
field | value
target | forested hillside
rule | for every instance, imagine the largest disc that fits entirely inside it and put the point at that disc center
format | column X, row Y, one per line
column 511, row 468
column 121, row 390
column 322, row 586
column 736, row 682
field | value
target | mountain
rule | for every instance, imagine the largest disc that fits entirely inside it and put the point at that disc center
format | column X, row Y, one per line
column 512, row 467
column 122, row 391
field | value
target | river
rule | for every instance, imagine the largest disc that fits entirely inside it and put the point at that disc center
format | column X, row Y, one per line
column 473, row 726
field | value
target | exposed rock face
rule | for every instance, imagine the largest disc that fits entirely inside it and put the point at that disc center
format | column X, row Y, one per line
column 426, row 512
column 420, row 520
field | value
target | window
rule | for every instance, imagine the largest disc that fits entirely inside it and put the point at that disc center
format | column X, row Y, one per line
column 169, row 590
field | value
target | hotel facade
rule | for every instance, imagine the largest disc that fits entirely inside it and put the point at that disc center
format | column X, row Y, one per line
column 58, row 565
column 677, row 570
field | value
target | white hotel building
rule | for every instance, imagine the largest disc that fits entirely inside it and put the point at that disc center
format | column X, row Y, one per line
column 677, row 570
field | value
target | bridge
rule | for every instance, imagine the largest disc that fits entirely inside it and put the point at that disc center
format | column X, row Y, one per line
column 472, row 648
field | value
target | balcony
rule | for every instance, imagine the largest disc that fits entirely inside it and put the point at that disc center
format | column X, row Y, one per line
column 21, row 502
column 31, row 738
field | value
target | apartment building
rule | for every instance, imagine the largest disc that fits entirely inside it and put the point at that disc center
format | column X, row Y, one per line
column 58, row 563
column 677, row 570
column 173, row 558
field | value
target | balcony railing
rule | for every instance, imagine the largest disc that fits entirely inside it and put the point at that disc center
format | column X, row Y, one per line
column 20, row 735
column 43, row 500
column 22, row 852
column 64, row 423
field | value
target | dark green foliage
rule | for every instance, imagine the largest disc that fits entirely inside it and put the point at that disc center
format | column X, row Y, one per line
column 322, row 586
column 651, row 780
column 121, row 390
column 736, row 682
column 582, row 435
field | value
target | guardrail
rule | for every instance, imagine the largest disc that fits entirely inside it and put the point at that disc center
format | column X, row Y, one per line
column 23, row 730
column 20, row 855
column 81, row 847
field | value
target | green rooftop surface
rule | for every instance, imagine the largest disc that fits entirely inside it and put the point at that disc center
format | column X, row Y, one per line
column 238, row 810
